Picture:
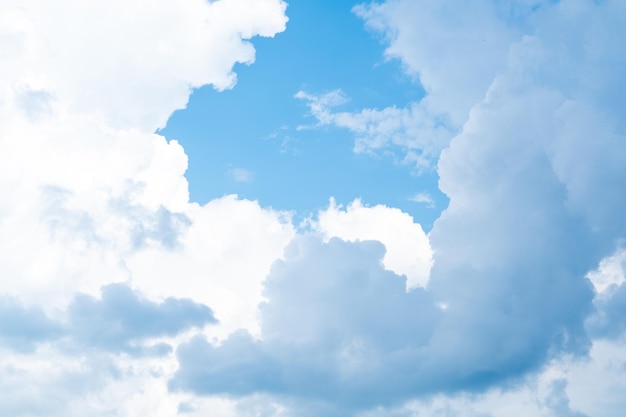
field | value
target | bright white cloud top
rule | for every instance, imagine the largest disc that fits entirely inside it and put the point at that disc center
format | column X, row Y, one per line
column 119, row 295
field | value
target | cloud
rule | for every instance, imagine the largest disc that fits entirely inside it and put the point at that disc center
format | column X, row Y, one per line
column 534, row 175
column 558, row 401
column 424, row 198
column 86, row 184
column 241, row 175
column 610, row 271
column 407, row 247
column 412, row 135
column 223, row 258
column 122, row 318
column 22, row 328
column 335, row 326
column 173, row 46
column 455, row 52
column 118, row 322
column 92, row 197
column 339, row 329
column 522, row 119
column 608, row 320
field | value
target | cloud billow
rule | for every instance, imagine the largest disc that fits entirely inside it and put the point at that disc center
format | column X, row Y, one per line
column 23, row 328
column 609, row 318
column 336, row 327
column 339, row 329
column 121, row 319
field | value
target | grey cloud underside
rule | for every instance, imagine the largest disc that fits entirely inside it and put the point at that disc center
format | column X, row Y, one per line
column 22, row 328
column 558, row 401
column 120, row 321
column 340, row 329
column 609, row 319
column 122, row 318
column 336, row 325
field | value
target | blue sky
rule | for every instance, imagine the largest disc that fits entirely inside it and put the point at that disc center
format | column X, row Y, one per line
column 244, row 208
column 276, row 159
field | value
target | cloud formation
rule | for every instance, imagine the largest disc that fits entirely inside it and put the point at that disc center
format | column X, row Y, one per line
column 107, row 268
column 407, row 248
column 22, row 328
column 336, row 327
column 92, row 198
column 534, row 173
column 121, row 318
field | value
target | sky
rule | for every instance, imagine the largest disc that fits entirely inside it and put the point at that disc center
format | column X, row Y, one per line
column 267, row 208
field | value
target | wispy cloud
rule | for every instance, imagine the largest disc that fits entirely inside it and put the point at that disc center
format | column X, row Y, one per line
column 241, row 174
column 424, row 198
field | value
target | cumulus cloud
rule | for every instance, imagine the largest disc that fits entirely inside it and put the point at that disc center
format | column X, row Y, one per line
column 241, row 174
column 407, row 249
column 119, row 321
column 92, row 197
column 101, row 185
column 534, row 174
column 610, row 271
column 174, row 46
column 521, row 117
column 454, row 51
column 22, row 328
column 121, row 318
column 336, row 327
column 424, row 198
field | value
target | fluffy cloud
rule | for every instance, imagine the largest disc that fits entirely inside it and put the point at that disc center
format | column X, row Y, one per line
column 336, row 328
column 535, row 178
column 22, row 328
column 134, row 63
column 92, row 198
column 121, row 318
column 119, row 321
column 454, row 52
column 88, row 95
column 526, row 102
column 407, row 250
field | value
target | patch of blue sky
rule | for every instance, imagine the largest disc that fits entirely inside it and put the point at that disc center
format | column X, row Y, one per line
column 246, row 140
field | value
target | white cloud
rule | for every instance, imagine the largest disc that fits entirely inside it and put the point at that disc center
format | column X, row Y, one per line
column 408, row 251
column 92, row 196
column 417, row 132
column 424, row 198
column 133, row 63
column 337, row 328
column 85, row 181
column 610, row 271
column 226, row 254
column 454, row 51
column 241, row 175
